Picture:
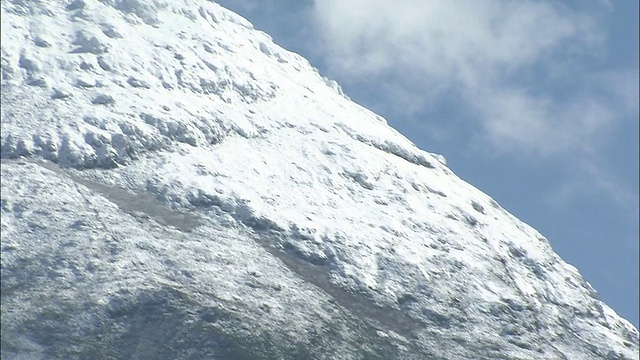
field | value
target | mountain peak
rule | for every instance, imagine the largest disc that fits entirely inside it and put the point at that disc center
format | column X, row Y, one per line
column 179, row 185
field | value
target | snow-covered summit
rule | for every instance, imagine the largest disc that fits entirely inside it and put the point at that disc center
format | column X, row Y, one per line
column 175, row 185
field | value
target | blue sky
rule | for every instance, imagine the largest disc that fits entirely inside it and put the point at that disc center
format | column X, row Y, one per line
column 533, row 102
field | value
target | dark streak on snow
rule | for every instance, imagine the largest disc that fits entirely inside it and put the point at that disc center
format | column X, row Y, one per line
column 140, row 206
column 144, row 206
column 382, row 317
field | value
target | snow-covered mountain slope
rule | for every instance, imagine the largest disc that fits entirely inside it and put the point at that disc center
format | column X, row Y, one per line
column 175, row 185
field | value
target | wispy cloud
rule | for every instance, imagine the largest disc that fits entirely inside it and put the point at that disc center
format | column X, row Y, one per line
column 590, row 178
column 516, row 121
column 457, row 40
column 485, row 50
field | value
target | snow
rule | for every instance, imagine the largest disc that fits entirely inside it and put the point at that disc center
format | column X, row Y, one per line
column 169, row 143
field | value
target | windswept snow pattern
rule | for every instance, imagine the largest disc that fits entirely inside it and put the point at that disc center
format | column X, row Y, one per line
column 166, row 166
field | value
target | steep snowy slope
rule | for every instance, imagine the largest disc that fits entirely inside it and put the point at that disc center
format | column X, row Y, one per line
column 175, row 185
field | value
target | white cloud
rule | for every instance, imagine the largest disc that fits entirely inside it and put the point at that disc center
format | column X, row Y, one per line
column 516, row 120
column 455, row 39
column 478, row 49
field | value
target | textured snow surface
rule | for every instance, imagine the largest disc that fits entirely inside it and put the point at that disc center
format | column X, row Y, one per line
column 175, row 185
